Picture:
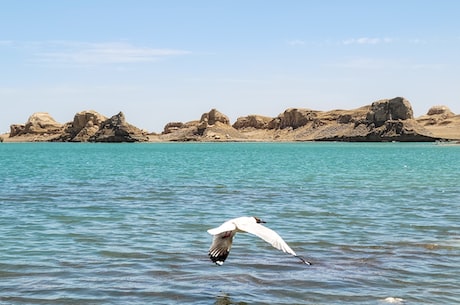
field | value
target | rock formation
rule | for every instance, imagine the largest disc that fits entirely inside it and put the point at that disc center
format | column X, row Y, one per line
column 172, row 126
column 39, row 123
column 436, row 115
column 386, row 120
column 441, row 122
column 16, row 130
column 383, row 120
column 391, row 130
column 214, row 116
column 440, row 110
column 397, row 108
column 85, row 124
column 116, row 129
column 252, row 121
column 212, row 126
column 293, row 118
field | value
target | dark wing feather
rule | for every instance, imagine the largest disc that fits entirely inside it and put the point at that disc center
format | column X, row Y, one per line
column 220, row 247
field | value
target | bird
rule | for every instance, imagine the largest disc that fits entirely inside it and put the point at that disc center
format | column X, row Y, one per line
column 223, row 237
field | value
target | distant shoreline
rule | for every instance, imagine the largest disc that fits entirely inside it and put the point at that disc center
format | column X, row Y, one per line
column 384, row 120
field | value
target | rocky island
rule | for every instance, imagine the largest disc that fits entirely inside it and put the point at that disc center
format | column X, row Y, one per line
column 382, row 121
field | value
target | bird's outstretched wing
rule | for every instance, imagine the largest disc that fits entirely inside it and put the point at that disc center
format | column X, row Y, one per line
column 268, row 235
column 225, row 227
column 220, row 247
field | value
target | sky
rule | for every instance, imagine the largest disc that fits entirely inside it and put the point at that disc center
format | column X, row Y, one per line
column 164, row 61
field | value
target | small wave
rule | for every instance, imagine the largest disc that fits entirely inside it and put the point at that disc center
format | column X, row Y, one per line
column 393, row 300
column 116, row 254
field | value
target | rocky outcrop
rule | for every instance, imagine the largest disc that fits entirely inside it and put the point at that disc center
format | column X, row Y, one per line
column 293, row 118
column 386, row 120
column 39, row 123
column 117, row 130
column 397, row 108
column 440, row 110
column 212, row 126
column 91, row 126
column 85, row 124
column 391, row 130
column 441, row 122
column 252, row 121
column 400, row 130
column 436, row 115
column 172, row 126
column 383, row 120
column 214, row 116
column 210, row 119
column 16, row 130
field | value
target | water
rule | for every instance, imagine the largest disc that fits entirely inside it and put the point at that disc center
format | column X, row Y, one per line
column 126, row 223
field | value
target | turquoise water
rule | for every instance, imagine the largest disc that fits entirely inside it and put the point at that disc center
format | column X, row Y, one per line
column 126, row 223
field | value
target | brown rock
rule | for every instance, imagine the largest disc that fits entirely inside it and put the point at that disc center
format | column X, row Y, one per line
column 345, row 119
column 221, row 132
column 212, row 126
column 397, row 108
column 214, row 116
column 442, row 122
column 16, row 130
column 88, row 118
column 42, row 122
column 39, row 123
column 116, row 129
column 85, row 124
column 275, row 123
column 384, row 120
column 252, row 121
column 172, row 126
column 203, row 125
column 440, row 110
column 394, row 130
column 294, row 118
column 400, row 130
column 195, row 130
column 436, row 115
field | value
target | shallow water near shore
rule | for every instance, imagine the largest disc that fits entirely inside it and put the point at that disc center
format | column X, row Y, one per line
column 126, row 223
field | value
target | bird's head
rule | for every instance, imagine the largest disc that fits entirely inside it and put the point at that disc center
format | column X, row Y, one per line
column 258, row 220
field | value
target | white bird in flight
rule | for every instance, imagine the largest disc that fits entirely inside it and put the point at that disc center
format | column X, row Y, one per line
column 223, row 237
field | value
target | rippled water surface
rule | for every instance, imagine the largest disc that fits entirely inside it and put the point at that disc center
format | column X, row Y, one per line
column 126, row 223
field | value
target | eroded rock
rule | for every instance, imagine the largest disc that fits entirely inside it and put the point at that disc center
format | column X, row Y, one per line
column 39, row 123
column 116, row 129
column 252, row 121
column 397, row 108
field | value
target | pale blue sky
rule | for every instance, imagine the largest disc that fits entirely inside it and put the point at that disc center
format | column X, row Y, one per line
column 162, row 61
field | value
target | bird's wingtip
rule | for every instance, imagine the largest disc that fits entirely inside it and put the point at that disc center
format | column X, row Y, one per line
column 304, row 260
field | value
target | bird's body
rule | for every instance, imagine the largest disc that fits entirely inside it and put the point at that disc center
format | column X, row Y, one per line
column 223, row 237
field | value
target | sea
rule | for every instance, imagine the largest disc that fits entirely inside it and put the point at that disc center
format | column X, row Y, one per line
column 126, row 223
